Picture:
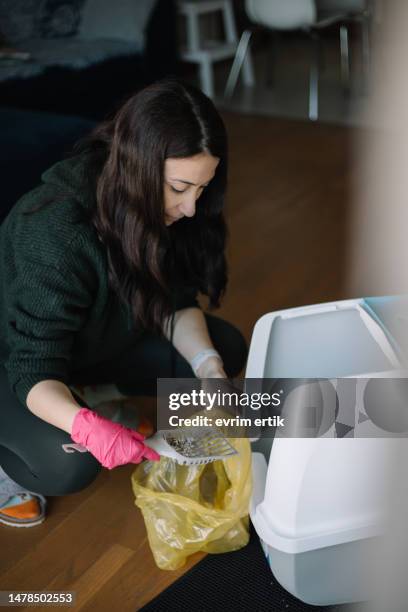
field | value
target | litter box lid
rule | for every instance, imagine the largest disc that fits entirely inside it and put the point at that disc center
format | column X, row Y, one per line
column 335, row 339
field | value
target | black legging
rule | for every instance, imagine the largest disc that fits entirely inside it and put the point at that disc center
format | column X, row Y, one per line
column 31, row 450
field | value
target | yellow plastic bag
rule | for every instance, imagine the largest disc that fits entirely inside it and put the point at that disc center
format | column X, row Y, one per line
column 195, row 508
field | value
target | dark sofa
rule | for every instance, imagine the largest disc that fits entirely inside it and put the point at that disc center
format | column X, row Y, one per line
column 97, row 89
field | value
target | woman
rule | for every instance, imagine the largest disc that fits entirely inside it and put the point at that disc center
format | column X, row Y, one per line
column 100, row 267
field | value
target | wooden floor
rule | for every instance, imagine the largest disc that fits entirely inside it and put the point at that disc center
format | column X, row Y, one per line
column 287, row 209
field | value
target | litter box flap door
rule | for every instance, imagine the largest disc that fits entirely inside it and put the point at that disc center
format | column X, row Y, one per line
column 323, row 491
column 391, row 312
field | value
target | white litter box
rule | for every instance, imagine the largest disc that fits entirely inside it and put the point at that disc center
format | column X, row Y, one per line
column 318, row 503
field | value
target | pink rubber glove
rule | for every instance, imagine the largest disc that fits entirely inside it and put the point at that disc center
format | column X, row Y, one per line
column 111, row 443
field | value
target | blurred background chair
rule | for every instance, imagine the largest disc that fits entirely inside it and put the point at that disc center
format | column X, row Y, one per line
column 204, row 51
column 310, row 16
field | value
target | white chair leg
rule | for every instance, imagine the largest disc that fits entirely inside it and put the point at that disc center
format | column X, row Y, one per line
column 366, row 50
column 232, row 37
column 229, row 23
column 207, row 77
column 314, row 79
column 248, row 75
column 193, row 32
column 272, row 53
column 345, row 58
column 237, row 63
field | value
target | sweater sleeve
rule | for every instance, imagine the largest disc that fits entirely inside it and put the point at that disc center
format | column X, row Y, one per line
column 47, row 305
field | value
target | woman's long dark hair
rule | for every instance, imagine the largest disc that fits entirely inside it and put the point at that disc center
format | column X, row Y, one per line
column 148, row 260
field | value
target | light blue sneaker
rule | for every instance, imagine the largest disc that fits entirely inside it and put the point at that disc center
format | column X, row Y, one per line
column 24, row 509
column 19, row 507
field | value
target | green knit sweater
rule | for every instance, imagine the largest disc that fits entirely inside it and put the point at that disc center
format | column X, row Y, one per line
column 57, row 311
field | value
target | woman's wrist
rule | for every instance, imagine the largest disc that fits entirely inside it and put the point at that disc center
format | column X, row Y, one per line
column 212, row 367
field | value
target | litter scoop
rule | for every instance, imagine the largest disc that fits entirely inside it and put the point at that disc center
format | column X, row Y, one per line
column 191, row 446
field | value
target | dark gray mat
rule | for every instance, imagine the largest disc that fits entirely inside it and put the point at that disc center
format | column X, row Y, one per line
column 239, row 581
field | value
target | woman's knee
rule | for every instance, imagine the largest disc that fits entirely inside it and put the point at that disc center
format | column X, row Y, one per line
column 230, row 343
column 72, row 471
column 60, row 470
